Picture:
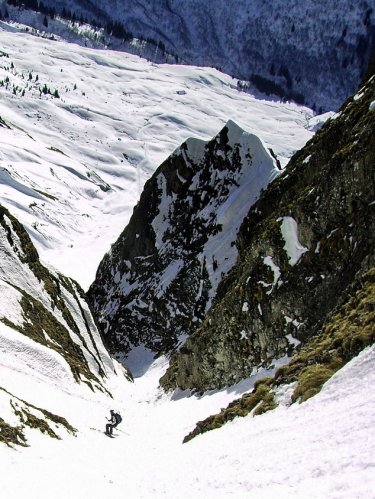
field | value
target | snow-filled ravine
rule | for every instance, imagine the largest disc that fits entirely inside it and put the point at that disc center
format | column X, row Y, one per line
column 81, row 130
column 323, row 448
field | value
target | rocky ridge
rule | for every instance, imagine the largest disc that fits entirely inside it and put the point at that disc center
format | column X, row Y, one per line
column 157, row 282
column 46, row 330
column 302, row 245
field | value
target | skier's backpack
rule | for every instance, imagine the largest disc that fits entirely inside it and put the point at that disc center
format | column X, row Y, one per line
column 118, row 418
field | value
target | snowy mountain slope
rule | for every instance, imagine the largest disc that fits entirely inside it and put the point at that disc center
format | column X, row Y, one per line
column 89, row 151
column 159, row 278
column 323, row 448
column 313, row 49
column 47, row 334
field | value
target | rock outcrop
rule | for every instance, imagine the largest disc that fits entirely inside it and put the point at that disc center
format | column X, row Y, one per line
column 156, row 284
column 345, row 333
column 41, row 307
column 47, row 334
column 306, row 240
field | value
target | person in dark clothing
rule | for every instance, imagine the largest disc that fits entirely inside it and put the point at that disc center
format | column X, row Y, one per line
column 113, row 422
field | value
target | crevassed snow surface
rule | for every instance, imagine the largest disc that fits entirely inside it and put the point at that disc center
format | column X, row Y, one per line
column 72, row 168
column 324, row 448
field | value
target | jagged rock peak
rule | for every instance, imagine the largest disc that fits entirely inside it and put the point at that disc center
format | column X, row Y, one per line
column 157, row 282
column 302, row 245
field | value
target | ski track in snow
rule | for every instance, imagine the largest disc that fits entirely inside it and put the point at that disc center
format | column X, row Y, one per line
column 324, row 448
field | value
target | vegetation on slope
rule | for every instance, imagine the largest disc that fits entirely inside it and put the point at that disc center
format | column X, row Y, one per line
column 33, row 417
column 346, row 332
column 40, row 324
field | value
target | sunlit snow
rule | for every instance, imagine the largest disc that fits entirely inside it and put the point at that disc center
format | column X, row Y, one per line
column 293, row 247
column 324, row 448
column 72, row 168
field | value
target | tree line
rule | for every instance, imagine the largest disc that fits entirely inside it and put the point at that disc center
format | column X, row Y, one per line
column 112, row 28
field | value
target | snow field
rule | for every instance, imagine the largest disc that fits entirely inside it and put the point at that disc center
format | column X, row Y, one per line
column 323, row 448
column 71, row 170
column 89, row 152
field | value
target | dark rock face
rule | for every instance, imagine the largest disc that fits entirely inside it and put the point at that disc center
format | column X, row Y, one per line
column 345, row 333
column 300, row 247
column 157, row 282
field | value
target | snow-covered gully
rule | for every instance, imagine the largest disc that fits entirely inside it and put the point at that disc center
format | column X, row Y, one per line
column 71, row 170
column 322, row 448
